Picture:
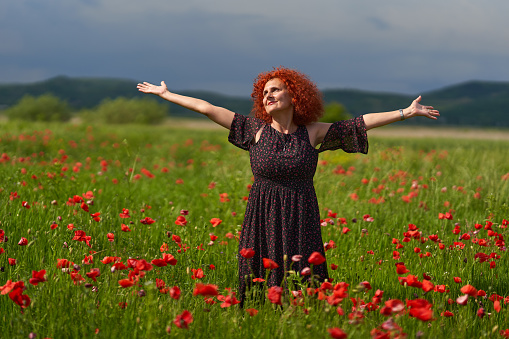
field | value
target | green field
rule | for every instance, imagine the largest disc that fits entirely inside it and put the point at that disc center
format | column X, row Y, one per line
column 407, row 195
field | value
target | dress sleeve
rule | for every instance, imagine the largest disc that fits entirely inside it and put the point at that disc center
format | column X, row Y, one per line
column 243, row 130
column 348, row 135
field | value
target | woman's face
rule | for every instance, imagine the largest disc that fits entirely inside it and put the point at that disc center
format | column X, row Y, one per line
column 276, row 96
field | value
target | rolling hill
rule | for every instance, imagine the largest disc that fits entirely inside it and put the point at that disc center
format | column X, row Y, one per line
column 474, row 103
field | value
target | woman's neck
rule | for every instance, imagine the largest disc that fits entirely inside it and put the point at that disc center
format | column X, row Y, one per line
column 284, row 123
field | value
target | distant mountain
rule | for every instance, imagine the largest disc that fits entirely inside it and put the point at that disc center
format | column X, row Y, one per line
column 474, row 103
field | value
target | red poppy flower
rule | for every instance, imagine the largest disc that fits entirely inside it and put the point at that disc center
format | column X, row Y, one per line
column 457, row 280
column 197, row 273
column 228, row 300
column 176, row 238
column 496, row 306
column 183, row 320
column 337, row 333
column 470, row 290
column 125, row 213
column 76, row 278
column 215, row 221
column 274, row 294
column 147, row 221
column 111, row 237
column 93, row 274
column 84, row 207
column 11, row 261
column 19, row 298
column 126, row 283
column 169, row 259
column 175, row 292
column 366, row 285
column 447, row 314
column 252, row 311
column 269, row 264
column 23, row 242
column 427, row 286
column 207, row 290
column 37, row 277
column 422, row 313
column 96, row 216
column 147, row 173
column 25, row 205
column 258, row 280
column 401, row 269
column 143, row 265
column 53, row 226
column 316, row 258
column 159, row 262
column 125, row 228
column 181, row 221
column 247, row 253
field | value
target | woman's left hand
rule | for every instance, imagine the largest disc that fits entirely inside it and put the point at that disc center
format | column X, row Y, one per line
column 416, row 109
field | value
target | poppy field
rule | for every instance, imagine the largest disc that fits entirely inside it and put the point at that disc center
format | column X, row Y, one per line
column 132, row 231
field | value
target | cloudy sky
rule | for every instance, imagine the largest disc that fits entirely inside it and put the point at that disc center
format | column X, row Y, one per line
column 405, row 46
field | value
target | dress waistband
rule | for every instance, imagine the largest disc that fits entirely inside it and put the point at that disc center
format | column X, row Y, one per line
column 289, row 183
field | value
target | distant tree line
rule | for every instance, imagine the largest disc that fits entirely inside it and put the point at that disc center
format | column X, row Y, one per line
column 50, row 108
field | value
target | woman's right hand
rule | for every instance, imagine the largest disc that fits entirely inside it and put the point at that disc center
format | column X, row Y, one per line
column 152, row 89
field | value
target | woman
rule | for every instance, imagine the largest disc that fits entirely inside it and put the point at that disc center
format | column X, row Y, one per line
column 282, row 217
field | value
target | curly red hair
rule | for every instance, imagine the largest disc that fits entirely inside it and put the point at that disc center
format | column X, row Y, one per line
column 306, row 97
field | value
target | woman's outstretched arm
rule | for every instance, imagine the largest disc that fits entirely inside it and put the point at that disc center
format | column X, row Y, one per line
column 219, row 115
column 373, row 120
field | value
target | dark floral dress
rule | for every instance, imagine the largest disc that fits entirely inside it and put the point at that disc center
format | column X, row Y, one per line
column 282, row 215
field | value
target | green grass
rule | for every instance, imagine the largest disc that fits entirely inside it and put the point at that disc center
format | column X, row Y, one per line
column 38, row 164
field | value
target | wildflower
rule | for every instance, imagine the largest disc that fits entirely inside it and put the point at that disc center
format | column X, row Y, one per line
column 197, row 273
column 96, row 216
column 269, row 264
column 175, row 292
column 126, row 283
column 252, row 311
column 183, row 320
column 181, row 221
column 111, row 237
column 337, row 333
column 274, row 295
column 316, row 258
column 470, row 290
column 37, row 277
column 207, row 290
column 125, row 213
column 215, row 221
column 247, row 253
column 147, row 221
column 93, row 274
